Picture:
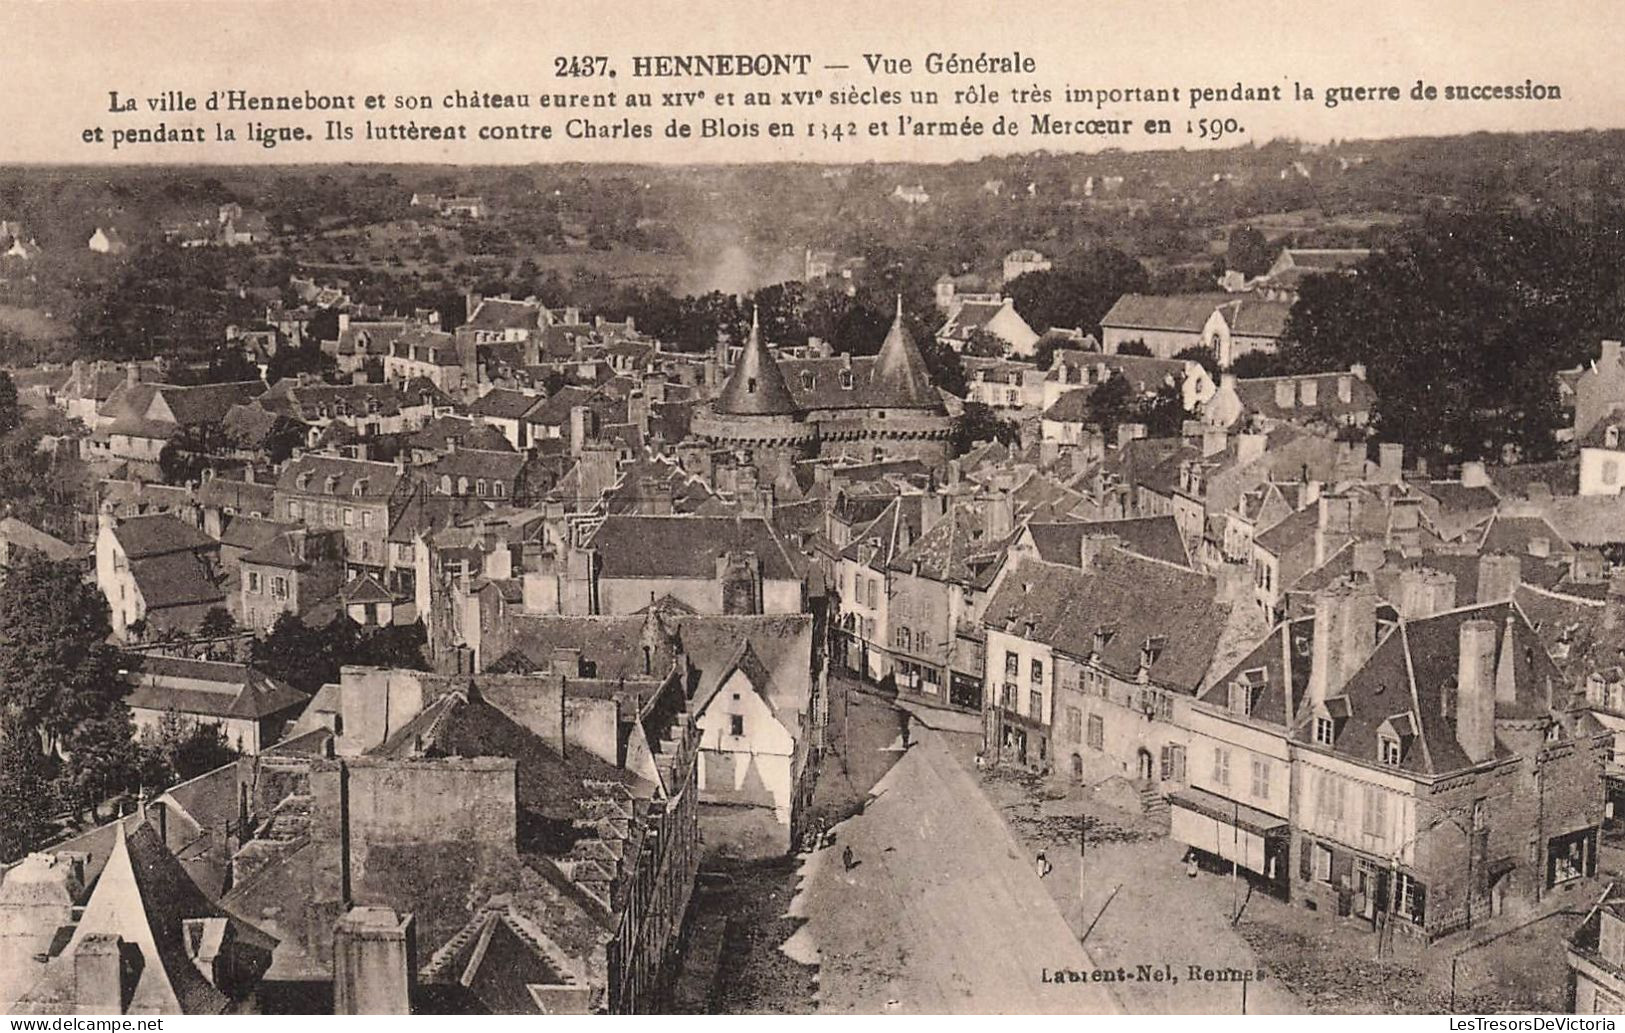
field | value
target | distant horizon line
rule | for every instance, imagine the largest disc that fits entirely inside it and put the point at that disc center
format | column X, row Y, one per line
column 28, row 163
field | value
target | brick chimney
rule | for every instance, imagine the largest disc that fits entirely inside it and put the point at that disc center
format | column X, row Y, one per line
column 1475, row 690
column 374, row 962
column 1344, row 637
column 102, row 982
column 1093, row 546
column 1498, row 577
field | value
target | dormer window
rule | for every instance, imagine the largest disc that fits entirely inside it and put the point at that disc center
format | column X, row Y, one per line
column 807, row 380
column 360, row 488
column 1325, row 731
column 1389, row 751
column 846, row 379
column 304, row 480
column 332, row 484
column 750, row 385
column 1611, row 436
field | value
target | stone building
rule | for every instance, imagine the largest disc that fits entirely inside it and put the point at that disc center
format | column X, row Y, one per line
column 862, row 408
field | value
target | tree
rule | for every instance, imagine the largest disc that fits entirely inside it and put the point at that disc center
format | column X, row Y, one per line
column 24, row 792
column 1248, row 252
column 1077, row 295
column 11, row 415
column 1111, row 403
column 217, row 623
column 296, row 653
column 56, row 669
column 984, row 344
column 979, row 424
column 943, row 364
column 1164, row 412
column 1202, row 356
column 1133, row 348
column 101, row 759
column 200, row 750
column 1463, row 321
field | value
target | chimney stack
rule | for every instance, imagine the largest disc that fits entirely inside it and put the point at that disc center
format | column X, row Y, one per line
column 374, row 962
column 1344, row 637
column 102, row 983
column 1391, row 462
column 1473, row 475
column 1475, row 690
column 1498, row 577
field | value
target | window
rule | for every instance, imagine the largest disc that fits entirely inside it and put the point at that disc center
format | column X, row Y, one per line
column 462, row 485
column 736, row 724
column 1035, row 705
column 1388, row 751
column 349, row 517
column 1038, row 672
column 330, row 514
column 874, row 594
column 479, row 487
column 1329, row 797
column 869, row 628
column 254, row 581
column 846, row 379
column 1374, row 822
column 295, row 511
column 1325, row 731
column 1074, row 724
column 922, row 640
column 499, row 489
column 1012, row 665
column 279, row 588
column 445, row 484
column 1410, row 898
column 903, row 637
column 403, row 552
column 1221, row 766
column 366, row 550
column 1323, row 863
column 1261, row 779
column 366, row 518
column 1007, row 697
column 1610, row 471
column 1097, row 732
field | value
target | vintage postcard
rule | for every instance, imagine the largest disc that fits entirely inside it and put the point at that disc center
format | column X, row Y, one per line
column 923, row 508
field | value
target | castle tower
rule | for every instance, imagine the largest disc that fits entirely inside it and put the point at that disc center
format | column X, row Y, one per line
column 755, row 409
column 901, row 379
column 901, row 415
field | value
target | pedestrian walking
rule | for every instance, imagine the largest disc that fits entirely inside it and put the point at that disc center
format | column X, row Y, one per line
column 846, row 858
column 1044, row 867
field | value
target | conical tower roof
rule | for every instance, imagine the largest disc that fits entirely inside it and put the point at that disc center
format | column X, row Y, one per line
column 756, row 387
column 900, row 378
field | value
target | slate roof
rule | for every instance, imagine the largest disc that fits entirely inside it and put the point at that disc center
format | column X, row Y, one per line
column 20, row 535
column 900, row 378
column 687, row 546
column 381, row 478
column 1257, row 395
column 1071, row 407
column 466, row 433
column 756, row 386
column 1247, row 314
column 959, row 547
column 506, row 314
column 1412, row 669
column 1277, row 672
column 1137, row 599
column 501, row 403
column 208, row 688
column 144, row 897
column 1146, row 374
column 158, row 535
column 1185, row 312
column 1156, row 537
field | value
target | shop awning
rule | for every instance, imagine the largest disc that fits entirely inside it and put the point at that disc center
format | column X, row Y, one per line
column 1228, row 811
column 1224, row 828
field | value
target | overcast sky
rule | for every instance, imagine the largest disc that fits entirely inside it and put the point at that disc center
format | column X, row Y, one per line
column 63, row 57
